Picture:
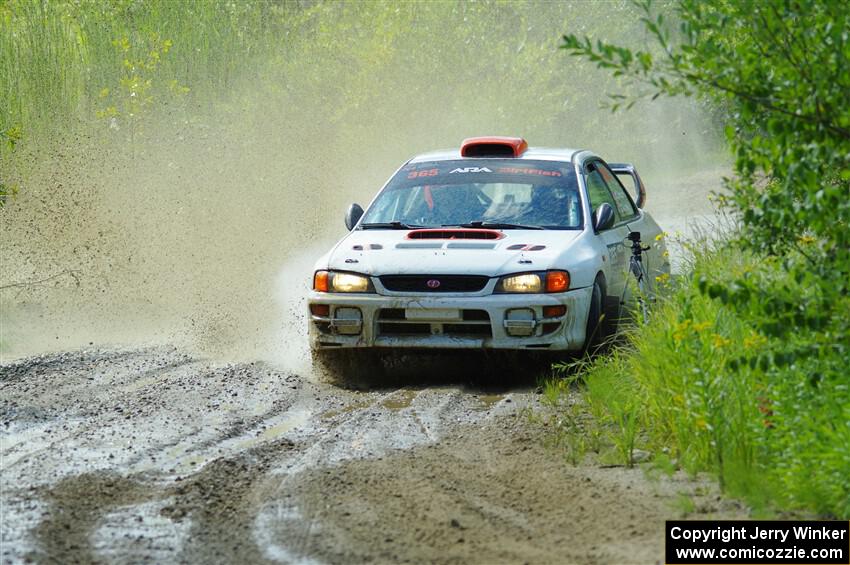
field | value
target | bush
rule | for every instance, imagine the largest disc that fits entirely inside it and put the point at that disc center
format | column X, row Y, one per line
column 746, row 380
column 743, row 370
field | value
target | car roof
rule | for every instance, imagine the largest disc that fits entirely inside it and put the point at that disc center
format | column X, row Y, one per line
column 532, row 153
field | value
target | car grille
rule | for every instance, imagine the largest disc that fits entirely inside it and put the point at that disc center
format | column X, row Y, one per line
column 425, row 283
column 475, row 323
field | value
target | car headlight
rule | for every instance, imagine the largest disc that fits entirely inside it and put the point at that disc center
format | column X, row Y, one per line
column 545, row 281
column 333, row 281
column 529, row 282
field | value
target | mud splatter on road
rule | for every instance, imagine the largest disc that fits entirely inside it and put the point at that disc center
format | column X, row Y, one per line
column 152, row 454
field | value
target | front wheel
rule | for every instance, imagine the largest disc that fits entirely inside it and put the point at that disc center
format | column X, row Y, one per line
column 595, row 316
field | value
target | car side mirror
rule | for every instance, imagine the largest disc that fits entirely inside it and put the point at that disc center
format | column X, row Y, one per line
column 353, row 215
column 603, row 217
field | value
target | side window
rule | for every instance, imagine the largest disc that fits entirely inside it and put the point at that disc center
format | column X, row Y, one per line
column 597, row 189
column 625, row 206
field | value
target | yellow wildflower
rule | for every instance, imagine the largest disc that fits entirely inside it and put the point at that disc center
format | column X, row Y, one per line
column 681, row 330
column 754, row 341
column 719, row 341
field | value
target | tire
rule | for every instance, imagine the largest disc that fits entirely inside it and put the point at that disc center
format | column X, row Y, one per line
column 595, row 320
column 351, row 367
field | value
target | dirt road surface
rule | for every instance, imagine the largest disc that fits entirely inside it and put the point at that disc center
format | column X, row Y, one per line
column 153, row 455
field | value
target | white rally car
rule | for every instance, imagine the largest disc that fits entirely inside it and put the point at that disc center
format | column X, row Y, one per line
column 494, row 246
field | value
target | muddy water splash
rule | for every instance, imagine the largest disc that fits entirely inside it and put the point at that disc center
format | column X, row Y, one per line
column 289, row 349
column 200, row 228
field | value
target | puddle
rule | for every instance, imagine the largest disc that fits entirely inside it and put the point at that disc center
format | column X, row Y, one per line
column 487, row 401
column 400, row 400
column 331, row 414
column 190, row 464
column 291, row 420
column 278, row 430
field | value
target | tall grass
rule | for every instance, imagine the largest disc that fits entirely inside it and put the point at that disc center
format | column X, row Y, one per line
column 767, row 410
column 63, row 61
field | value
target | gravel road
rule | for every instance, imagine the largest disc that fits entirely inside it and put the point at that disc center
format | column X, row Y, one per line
column 154, row 455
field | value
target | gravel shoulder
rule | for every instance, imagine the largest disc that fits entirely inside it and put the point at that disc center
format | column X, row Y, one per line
column 152, row 454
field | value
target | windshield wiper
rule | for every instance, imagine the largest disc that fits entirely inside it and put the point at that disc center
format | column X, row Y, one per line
column 389, row 226
column 497, row 225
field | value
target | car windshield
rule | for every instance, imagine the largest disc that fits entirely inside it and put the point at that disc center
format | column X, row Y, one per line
column 499, row 193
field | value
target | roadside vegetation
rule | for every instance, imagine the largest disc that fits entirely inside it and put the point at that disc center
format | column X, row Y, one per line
column 743, row 369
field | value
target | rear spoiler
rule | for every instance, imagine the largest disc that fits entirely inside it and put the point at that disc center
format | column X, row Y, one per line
column 638, row 190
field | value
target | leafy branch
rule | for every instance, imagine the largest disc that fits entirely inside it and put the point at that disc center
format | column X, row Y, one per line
column 678, row 73
column 779, row 70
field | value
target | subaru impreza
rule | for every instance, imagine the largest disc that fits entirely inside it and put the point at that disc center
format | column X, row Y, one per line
column 494, row 245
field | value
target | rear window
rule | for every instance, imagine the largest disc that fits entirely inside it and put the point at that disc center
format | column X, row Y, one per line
column 540, row 194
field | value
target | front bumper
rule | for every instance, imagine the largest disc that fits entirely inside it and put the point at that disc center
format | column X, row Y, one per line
column 495, row 321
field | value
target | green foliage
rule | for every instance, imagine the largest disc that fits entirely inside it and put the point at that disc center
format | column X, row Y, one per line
column 743, row 370
column 9, row 139
column 780, row 68
column 138, row 87
column 58, row 56
column 717, row 383
column 572, row 431
column 484, row 66
column 613, row 404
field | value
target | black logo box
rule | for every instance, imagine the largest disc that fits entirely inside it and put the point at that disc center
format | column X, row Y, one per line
column 790, row 541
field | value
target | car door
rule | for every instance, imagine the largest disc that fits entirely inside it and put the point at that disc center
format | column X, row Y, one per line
column 598, row 192
column 634, row 185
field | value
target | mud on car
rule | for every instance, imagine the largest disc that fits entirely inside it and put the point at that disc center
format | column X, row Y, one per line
column 494, row 246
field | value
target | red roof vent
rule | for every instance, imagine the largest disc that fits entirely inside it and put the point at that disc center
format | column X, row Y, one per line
column 493, row 147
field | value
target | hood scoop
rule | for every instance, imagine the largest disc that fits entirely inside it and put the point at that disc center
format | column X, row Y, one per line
column 455, row 234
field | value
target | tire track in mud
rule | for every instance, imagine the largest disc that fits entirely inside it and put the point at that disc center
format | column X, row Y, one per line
column 218, row 502
column 61, row 413
column 75, row 505
column 333, row 446
column 156, row 455
column 221, row 501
